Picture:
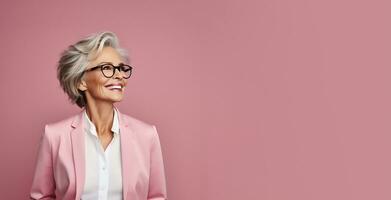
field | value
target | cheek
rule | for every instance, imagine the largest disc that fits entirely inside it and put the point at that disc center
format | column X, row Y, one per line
column 97, row 85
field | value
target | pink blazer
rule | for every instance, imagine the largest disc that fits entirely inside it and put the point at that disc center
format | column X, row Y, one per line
column 60, row 167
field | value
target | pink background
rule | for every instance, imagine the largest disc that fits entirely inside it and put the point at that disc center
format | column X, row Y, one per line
column 262, row 99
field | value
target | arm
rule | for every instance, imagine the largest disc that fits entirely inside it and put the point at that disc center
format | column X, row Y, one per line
column 157, row 182
column 43, row 186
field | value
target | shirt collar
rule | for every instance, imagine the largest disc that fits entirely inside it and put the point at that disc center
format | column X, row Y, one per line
column 90, row 127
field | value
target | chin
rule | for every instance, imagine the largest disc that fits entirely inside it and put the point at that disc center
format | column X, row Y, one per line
column 112, row 98
column 116, row 99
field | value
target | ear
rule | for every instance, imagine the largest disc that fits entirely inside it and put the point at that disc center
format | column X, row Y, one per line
column 82, row 85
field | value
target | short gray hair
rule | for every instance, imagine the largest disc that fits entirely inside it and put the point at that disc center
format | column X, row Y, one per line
column 75, row 59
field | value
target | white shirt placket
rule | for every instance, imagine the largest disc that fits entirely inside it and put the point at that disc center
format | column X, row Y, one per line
column 108, row 183
column 103, row 174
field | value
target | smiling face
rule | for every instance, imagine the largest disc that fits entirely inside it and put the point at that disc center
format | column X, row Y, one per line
column 99, row 88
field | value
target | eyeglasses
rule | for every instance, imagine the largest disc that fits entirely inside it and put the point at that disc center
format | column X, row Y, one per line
column 108, row 70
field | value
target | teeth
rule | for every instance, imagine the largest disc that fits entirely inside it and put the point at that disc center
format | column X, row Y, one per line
column 114, row 87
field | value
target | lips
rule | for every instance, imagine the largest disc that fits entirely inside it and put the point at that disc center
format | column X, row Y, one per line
column 120, row 84
column 115, row 86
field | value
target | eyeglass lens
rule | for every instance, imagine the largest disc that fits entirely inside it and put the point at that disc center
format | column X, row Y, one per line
column 125, row 70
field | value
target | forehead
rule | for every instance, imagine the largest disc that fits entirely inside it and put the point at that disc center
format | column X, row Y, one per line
column 108, row 54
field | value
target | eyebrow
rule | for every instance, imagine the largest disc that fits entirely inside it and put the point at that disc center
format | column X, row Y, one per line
column 121, row 63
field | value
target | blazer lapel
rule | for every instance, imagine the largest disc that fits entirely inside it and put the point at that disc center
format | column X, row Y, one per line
column 77, row 139
column 126, row 141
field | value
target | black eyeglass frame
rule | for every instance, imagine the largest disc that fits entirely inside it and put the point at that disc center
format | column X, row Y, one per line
column 114, row 68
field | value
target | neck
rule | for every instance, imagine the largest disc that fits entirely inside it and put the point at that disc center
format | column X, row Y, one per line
column 101, row 114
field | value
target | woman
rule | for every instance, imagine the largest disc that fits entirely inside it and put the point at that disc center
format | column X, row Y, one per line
column 100, row 153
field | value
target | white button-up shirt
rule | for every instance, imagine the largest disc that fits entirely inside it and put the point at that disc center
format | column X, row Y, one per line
column 103, row 180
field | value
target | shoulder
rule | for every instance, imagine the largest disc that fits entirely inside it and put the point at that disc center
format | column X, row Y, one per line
column 141, row 128
column 138, row 127
column 137, row 123
column 62, row 124
column 60, row 127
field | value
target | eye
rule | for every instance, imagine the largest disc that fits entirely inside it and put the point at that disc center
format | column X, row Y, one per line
column 125, row 68
column 107, row 67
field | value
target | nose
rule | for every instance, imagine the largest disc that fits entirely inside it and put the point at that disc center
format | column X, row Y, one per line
column 117, row 74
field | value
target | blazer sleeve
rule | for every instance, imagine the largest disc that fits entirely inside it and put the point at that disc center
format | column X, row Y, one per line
column 43, row 185
column 157, row 181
